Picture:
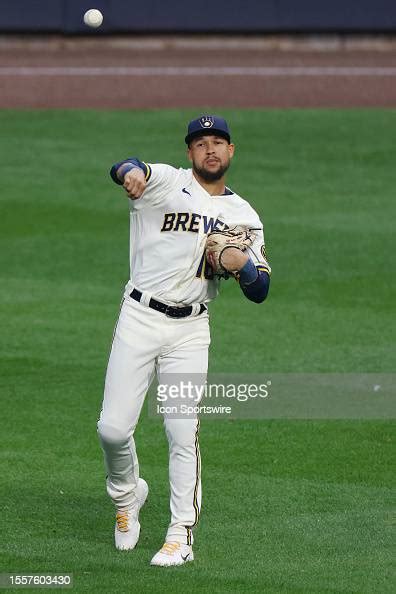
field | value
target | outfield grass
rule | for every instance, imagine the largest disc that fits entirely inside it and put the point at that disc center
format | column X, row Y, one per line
column 289, row 506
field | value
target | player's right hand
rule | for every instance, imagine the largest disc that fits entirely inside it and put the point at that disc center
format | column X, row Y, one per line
column 134, row 183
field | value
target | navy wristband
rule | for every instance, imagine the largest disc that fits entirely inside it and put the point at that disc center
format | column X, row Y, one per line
column 125, row 168
column 134, row 162
column 248, row 273
column 257, row 291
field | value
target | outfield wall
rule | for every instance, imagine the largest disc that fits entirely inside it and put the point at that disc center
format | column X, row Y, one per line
column 122, row 16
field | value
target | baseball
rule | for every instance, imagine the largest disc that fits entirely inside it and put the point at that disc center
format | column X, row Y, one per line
column 93, row 18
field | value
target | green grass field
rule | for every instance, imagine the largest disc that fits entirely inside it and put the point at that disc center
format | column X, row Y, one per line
column 288, row 506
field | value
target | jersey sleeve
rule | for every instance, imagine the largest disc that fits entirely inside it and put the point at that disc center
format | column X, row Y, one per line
column 160, row 180
column 258, row 252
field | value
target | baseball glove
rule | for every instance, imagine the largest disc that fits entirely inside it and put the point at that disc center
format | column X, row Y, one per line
column 239, row 236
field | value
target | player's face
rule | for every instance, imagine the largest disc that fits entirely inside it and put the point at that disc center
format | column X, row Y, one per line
column 210, row 156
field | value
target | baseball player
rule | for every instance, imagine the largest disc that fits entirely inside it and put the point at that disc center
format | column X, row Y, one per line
column 163, row 326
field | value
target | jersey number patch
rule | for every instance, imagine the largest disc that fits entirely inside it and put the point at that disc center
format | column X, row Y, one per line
column 204, row 270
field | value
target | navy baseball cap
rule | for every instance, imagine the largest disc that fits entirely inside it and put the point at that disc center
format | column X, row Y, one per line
column 207, row 124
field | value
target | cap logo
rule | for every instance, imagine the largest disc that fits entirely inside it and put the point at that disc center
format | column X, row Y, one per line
column 206, row 121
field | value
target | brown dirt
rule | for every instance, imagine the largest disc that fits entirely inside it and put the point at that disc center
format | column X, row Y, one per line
column 121, row 91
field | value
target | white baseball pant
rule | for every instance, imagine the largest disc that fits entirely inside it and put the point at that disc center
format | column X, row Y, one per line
column 146, row 341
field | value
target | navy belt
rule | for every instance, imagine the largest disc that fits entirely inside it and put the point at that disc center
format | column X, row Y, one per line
column 168, row 310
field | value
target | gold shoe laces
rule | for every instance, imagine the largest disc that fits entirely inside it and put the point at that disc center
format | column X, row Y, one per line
column 170, row 547
column 122, row 521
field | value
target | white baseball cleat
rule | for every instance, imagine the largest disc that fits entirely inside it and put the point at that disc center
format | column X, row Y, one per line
column 173, row 553
column 127, row 527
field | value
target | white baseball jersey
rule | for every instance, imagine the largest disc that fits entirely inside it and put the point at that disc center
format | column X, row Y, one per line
column 168, row 228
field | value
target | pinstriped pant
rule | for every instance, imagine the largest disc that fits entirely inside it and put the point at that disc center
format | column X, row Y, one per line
column 146, row 341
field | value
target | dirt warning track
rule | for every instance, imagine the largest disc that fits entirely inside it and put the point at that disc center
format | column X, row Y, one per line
column 156, row 73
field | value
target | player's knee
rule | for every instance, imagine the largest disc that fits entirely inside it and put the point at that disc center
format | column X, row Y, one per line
column 112, row 434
